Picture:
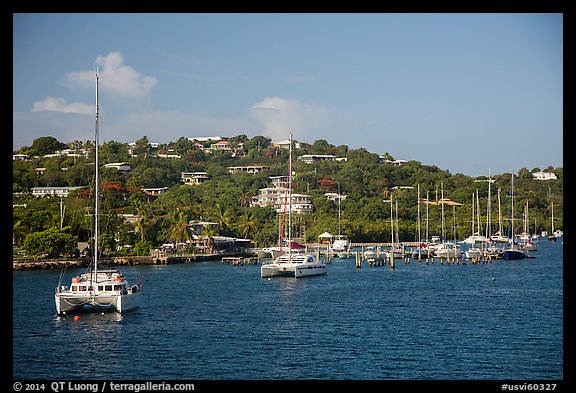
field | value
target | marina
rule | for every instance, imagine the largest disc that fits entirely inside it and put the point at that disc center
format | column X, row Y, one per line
column 487, row 321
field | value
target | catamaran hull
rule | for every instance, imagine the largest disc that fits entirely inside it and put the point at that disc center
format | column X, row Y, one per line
column 287, row 270
column 274, row 270
column 66, row 303
column 309, row 271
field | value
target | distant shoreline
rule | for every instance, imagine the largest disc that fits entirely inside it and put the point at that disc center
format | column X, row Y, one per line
column 47, row 264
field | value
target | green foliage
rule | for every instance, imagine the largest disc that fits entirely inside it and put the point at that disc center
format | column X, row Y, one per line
column 143, row 248
column 51, row 243
column 225, row 198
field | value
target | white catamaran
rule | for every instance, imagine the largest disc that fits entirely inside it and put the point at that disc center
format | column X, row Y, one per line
column 97, row 290
column 290, row 263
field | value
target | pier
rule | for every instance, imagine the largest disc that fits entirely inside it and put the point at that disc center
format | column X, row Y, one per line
column 154, row 259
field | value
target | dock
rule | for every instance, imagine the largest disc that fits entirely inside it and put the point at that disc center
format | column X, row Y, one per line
column 156, row 259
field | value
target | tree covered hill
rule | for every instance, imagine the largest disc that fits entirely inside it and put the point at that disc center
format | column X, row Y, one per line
column 366, row 179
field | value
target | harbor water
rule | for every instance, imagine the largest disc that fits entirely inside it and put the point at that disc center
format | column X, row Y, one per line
column 211, row 321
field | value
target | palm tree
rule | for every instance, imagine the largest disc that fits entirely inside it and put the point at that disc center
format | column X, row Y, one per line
column 248, row 224
column 244, row 199
column 223, row 216
column 207, row 237
column 19, row 232
column 179, row 231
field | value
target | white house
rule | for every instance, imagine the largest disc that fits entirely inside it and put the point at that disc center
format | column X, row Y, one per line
column 53, row 191
column 119, row 166
column 276, row 198
column 193, row 178
column 544, row 176
column 251, row 169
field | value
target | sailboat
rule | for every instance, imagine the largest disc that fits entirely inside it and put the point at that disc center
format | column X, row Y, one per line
column 499, row 237
column 97, row 290
column 473, row 252
column 525, row 238
column 292, row 264
column 447, row 249
column 511, row 252
column 340, row 247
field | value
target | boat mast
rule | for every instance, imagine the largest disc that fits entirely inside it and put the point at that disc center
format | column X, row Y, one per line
column 96, row 181
column 552, row 207
column 290, row 199
column 418, row 221
column 489, row 211
column 512, row 212
column 427, row 219
column 442, row 208
column 499, row 215
column 478, row 212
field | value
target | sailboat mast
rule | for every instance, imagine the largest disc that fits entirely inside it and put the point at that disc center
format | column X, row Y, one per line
column 512, row 212
column 499, row 214
column 427, row 219
column 290, row 198
column 96, row 180
column 418, row 221
column 442, row 208
column 489, row 211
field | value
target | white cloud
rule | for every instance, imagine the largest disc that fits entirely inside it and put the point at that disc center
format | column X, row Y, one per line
column 57, row 104
column 116, row 78
column 279, row 117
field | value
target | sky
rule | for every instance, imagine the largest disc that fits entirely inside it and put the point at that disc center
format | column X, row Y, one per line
column 467, row 92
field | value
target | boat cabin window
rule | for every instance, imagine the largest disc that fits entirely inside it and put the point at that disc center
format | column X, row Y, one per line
column 108, row 287
column 79, row 288
column 117, row 287
column 100, row 287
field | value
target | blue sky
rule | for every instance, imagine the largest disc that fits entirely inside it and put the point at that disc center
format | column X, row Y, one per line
column 467, row 92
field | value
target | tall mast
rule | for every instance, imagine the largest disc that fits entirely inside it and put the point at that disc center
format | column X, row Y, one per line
column 427, row 204
column 489, row 211
column 499, row 215
column 512, row 211
column 96, row 181
column 290, row 198
column 442, row 208
column 418, row 219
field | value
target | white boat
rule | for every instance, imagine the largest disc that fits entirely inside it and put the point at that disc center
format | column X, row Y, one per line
column 341, row 246
column 97, row 290
column 448, row 250
column 475, row 237
column 525, row 239
column 397, row 251
column 498, row 237
column 290, row 263
column 555, row 234
column 372, row 255
column 473, row 253
column 294, row 265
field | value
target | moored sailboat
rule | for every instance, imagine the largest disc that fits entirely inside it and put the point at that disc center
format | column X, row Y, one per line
column 511, row 252
column 97, row 290
column 289, row 263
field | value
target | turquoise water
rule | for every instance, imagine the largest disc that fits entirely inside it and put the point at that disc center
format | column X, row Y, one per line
column 209, row 321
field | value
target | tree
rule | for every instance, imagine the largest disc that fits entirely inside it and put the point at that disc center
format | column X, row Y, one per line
column 19, row 232
column 248, row 224
column 179, row 232
column 142, row 248
column 46, row 145
column 52, row 242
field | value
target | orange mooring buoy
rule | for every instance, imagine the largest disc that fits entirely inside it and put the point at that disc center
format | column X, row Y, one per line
column 77, row 317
